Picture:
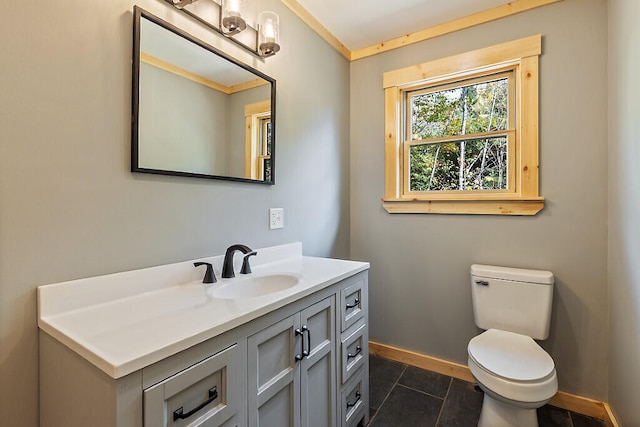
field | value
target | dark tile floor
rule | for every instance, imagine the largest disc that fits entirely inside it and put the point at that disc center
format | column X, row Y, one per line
column 402, row 395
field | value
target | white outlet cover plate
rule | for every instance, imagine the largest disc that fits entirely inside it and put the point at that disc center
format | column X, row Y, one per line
column 276, row 218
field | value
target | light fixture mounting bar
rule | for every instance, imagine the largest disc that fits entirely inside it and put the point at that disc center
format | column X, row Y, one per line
column 207, row 12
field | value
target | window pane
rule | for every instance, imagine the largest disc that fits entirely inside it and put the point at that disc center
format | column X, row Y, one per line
column 476, row 164
column 265, row 137
column 266, row 165
column 475, row 108
column 268, row 136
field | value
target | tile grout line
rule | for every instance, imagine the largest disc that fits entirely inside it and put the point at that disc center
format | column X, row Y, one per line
column 444, row 401
column 387, row 396
column 422, row 391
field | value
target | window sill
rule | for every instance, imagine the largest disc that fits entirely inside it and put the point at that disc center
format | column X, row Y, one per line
column 466, row 207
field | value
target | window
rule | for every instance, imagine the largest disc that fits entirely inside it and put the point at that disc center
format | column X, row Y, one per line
column 462, row 133
column 258, row 141
column 264, row 150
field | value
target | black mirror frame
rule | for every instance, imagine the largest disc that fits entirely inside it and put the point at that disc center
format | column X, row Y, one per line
column 138, row 14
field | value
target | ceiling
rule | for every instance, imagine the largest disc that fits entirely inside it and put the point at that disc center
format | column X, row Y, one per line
column 358, row 24
column 170, row 48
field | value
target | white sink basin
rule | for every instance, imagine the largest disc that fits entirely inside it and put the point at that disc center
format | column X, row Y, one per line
column 255, row 286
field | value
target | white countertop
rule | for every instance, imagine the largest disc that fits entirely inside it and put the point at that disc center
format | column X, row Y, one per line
column 125, row 321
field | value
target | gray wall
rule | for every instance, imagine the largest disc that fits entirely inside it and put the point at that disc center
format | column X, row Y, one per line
column 419, row 280
column 182, row 125
column 70, row 208
column 624, row 209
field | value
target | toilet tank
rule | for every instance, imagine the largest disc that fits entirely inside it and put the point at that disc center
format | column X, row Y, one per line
column 512, row 299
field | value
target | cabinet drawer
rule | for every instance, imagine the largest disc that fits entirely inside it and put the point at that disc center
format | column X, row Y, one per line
column 204, row 394
column 353, row 404
column 351, row 304
column 353, row 352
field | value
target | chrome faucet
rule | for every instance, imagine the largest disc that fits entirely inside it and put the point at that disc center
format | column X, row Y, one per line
column 227, row 265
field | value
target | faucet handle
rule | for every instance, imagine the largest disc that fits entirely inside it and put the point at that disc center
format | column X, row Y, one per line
column 246, row 268
column 209, row 275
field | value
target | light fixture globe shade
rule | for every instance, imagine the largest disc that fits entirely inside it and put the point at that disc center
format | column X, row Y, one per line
column 231, row 20
column 268, row 33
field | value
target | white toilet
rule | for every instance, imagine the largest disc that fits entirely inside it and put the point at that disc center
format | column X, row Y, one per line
column 517, row 376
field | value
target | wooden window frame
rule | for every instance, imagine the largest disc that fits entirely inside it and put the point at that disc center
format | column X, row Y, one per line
column 254, row 114
column 522, row 196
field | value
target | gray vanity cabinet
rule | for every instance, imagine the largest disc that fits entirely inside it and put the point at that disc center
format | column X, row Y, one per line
column 303, row 364
column 292, row 372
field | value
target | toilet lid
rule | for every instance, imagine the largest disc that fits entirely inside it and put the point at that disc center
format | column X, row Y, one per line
column 510, row 355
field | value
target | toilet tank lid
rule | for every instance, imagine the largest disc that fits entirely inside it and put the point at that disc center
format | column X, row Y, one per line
column 517, row 274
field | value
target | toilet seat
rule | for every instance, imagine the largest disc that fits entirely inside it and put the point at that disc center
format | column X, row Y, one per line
column 510, row 355
column 513, row 366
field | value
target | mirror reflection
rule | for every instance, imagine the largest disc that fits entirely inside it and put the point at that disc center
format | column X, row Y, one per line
column 196, row 111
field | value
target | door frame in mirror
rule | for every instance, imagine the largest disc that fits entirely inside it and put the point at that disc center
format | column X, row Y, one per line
column 138, row 14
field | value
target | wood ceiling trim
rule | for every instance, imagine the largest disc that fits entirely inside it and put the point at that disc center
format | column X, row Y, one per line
column 489, row 15
column 316, row 26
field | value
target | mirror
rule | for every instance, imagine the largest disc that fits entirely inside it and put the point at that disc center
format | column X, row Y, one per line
column 196, row 111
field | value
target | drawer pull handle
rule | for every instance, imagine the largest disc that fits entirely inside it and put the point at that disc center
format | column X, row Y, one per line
column 354, row 305
column 351, row 405
column 179, row 415
column 358, row 351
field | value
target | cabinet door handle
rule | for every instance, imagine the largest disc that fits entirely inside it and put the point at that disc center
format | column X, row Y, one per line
column 358, row 351
column 179, row 415
column 351, row 405
column 301, row 355
column 306, row 352
column 354, row 305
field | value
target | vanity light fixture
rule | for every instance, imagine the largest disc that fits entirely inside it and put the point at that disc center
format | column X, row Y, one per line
column 181, row 3
column 268, row 34
column 227, row 17
column 231, row 20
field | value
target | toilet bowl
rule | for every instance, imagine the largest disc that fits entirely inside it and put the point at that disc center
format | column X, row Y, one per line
column 513, row 307
column 515, row 373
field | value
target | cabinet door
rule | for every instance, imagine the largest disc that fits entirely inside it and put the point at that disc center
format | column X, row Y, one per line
column 273, row 375
column 318, row 367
